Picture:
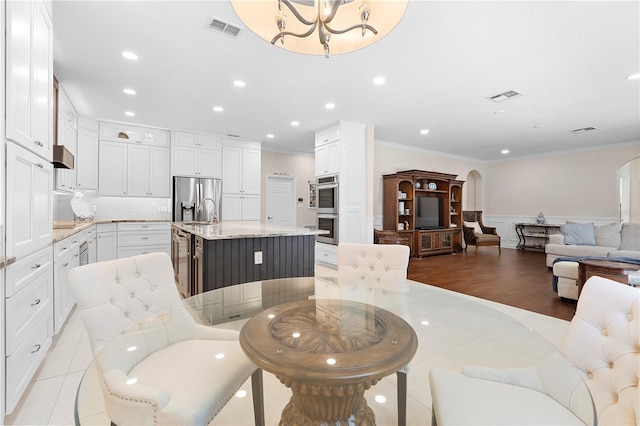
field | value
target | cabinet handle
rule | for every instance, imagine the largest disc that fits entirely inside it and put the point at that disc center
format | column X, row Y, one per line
column 145, row 238
column 75, row 255
column 40, row 144
column 66, row 264
column 145, row 226
column 36, row 302
column 39, row 165
column 36, row 266
column 36, row 348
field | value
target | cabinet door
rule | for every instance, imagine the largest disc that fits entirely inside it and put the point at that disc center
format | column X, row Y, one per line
column 137, row 170
column 112, row 171
column 159, row 172
column 333, row 157
column 18, row 72
column 185, row 139
column 322, row 160
column 231, row 207
column 251, row 171
column 28, row 201
column 250, row 207
column 42, row 98
column 107, row 246
column 232, row 170
column 87, row 159
column 185, row 159
column 210, row 162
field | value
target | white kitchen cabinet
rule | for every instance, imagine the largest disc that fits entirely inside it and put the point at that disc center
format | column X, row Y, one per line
column 327, row 159
column 29, row 76
column 197, row 154
column 29, row 208
column 87, row 155
column 106, row 242
column 136, row 238
column 117, row 132
column 92, row 244
column 28, row 321
column 112, row 170
column 66, row 256
column 138, row 169
column 240, row 207
column 241, row 180
column 68, row 137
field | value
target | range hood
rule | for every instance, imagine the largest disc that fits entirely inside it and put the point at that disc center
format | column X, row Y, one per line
column 62, row 158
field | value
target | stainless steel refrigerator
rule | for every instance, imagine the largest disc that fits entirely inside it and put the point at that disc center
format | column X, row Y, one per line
column 196, row 199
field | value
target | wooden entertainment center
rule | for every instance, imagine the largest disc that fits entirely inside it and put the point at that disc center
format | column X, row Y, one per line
column 425, row 209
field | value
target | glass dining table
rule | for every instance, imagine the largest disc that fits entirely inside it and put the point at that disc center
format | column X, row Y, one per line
column 408, row 326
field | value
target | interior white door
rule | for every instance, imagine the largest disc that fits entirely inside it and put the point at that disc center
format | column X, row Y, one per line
column 280, row 201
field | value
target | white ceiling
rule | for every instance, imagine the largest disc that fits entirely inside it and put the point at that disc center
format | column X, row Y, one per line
column 441, row 63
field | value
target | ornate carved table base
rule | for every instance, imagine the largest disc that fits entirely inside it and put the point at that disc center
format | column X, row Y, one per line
column 313, row 405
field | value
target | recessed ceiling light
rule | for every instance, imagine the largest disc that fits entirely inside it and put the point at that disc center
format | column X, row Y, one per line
column 424, row 131
column 130, row 55
column 505, row 151
column 218, row 109
column 379, row 80
column 239, row 83
column 538, row 126
column 633, row 77
column 129, row 91
column 500, row 111
column 329, row 105
column 270, row 136
column 130, row 114
column 295, row 123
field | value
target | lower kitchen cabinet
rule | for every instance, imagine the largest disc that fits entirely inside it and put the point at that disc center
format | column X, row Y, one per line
column 28, row 321
column 107, row 242
column 136, row 238
column 66, row 257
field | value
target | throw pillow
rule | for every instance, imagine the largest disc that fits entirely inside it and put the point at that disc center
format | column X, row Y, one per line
column 475, row 225
column 581, row 234
column 630, row 236
column 608, row 235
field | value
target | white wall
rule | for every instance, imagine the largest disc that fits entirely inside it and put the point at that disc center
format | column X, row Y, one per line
column 302, row 166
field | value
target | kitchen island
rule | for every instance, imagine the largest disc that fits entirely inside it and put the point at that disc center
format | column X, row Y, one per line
column 209, row 256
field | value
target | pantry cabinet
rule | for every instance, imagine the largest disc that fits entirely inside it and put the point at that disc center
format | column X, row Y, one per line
column 29, row 209
column 241, row 180
column 29, row 76
column 196, row 154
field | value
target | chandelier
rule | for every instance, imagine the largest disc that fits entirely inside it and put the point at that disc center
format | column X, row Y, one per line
column 320, row 27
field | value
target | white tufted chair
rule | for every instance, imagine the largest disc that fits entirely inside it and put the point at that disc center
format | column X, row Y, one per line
column 157, row 365
column 385, row 265
column 602, row 341
column 382, row 263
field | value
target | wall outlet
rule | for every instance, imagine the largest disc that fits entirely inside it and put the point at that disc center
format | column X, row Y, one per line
column 257, row 257
column 93, row 207
column 163, row 209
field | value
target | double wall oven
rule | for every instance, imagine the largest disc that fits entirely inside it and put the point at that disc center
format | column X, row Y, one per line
column 327, row 209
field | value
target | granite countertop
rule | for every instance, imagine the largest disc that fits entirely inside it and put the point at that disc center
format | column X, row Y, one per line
column 70, row 228
column 238, row 229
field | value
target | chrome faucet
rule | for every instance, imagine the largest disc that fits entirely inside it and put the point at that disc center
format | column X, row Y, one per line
column 213, row 218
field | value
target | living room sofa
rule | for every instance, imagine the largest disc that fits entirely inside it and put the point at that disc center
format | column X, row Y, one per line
column 612, row 240
column 615, row 241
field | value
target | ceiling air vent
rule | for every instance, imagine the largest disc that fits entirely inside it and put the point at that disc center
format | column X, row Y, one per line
column 220, row 26
column 505, row 96
column 584, row 130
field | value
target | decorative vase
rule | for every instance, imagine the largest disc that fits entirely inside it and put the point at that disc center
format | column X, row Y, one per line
column 540, row 219
column 418, row 185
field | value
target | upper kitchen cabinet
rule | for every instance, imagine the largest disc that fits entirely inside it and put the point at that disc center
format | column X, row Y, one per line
column 87, row 155
column 67, row 136
column 134, row 161
column 29, row 76
column 196, row 154
column 240, row 180
column 28, row 201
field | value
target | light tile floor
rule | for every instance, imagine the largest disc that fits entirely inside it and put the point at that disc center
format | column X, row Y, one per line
column 50, row 397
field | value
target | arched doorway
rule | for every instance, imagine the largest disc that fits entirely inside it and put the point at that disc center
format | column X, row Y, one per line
column 473, row 187
column 629, row 191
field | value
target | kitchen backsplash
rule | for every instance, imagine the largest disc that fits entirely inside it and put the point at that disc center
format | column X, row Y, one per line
column 114, row 207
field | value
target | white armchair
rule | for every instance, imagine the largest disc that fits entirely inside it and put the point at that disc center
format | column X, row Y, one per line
column 156, row 364
column 602, row 344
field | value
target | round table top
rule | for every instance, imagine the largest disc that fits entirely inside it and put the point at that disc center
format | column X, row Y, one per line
column 334, row 340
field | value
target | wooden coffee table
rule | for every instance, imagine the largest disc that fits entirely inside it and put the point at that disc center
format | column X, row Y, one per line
column 328, row 352
column 616, row 271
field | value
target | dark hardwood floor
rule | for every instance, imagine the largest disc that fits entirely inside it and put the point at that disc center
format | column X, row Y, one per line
column 514, row 278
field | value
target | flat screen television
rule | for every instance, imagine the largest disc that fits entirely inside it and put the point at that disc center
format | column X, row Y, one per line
column 429, row 213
